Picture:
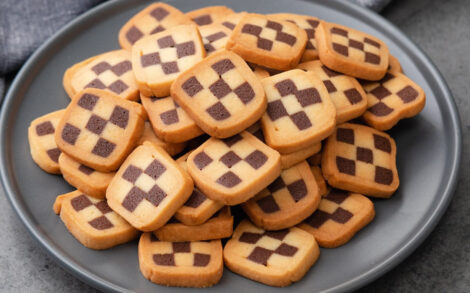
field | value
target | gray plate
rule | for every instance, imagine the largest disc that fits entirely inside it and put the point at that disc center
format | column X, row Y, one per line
column 429, row 148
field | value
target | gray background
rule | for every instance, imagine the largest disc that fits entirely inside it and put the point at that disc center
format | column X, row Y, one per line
column 440, row 264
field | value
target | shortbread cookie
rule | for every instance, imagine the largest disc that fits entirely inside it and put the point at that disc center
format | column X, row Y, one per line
column 234, row 169
column 339, row 217
column 300, row 112
column 153, row 19
column 217, row 227
column 361, row 159
column 230, row 21
column 267, row 42
column 214, row 37
column 291, row 198
column 181, row 264
column 221, row 94
column 314, row 160
column 170, row 147
column 158, row 59
column 92, row 221
column 99, row 129
column 169, row 120
column 209, row 15
column 85, row 179
column 351, row 52
column 345, row 91
column 316, row 171
column 393, row 64
column 43, row 147
column 309, row 24
column 391, row 99
column 111, row 71
column 275, row 258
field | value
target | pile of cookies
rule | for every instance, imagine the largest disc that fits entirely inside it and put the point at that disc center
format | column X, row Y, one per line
column 210, row 109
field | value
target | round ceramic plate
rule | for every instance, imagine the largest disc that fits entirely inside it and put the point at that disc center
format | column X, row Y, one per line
column 429, row 148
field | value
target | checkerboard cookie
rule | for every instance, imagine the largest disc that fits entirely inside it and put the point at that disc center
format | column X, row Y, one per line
column 99, row 129
column 391, row 99
column 209, row 15
column 158, row 59
column 92, row 221
column 149, row 188
column 214, row 37
column 351, row 52
column 153, row 19
column 234, row 169
column 393, row 64
column 230, row 21
column 268, row 42
column 217, row 227
column 300, row 112
column 275, row 258
column 361, row 159
column 169, row 120
column 345, row 91
column 170, row 147
column 111, row 71
column 221, row 94
column 339, row 217
column 42, row 145
column 180, row 264
column 85, row 179
column 318, row 175
column 291, row 198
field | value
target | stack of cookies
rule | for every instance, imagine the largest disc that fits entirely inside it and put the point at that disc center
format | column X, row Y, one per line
column 202, row 111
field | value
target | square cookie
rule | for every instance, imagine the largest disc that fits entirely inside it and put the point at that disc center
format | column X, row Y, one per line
column 214, row 37
column 209, row 15
column 230, row 21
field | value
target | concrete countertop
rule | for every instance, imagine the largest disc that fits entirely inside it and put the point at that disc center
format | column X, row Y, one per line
column 440, row 264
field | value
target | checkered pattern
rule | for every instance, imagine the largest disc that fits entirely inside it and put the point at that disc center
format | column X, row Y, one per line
column 169, row 116
column 334, row 201
column 309, row 25
column 45, row 132
column 272, row 32
column 93, row 211
column 111, row 77
column 214, row 37
column 340, row 87
column 180, row 254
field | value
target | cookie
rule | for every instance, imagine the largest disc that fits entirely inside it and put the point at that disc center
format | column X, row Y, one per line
column 181, row 264
column 339, row 217
column 300, row 112
column 351, row 52
column 230, row 21
column 321, row 183
column 217, row 227
column 91, row 182
column 214, row 37
column 221, row 94
column 209, row 15
column 393, row 64
column 149, row 188
column 158, row 59
column 170, row 147
column 267, row 42
column 92, row 221
column 42, row 145
column 291, row 198
column 111, row 71
column 345, row 92
column 309, row 24
column 361, row 159
column 275, row 258
column 234, row 169
column 314, row 160
column 153, row 19
column 169, row 120
column 391, row 99
column 259, row 71
column 99, row 129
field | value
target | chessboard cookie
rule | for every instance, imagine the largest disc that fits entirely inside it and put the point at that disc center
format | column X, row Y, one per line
column 275, row 258
column 351, row 52
column 393, row 64
column 158, row 59
column 42, row 145
column 83, row 178
column 234, row 169
column 309, row 24
column 268, row 42
column 170, row 147
column 391, row 99
column 180, row 264
column 217, row 227
column 221, row 94
column 153, row 19
column 339, row 217
column 321, row 183
column 111, row 71
column 209, row 15
column 346, row 93
column 169, row 120
column 230, row 21
column 92, row 222
column 361, row 159
column 291, row 198
column 300, row 112
column 149, row 188
column 214, row 37
column 99, row 129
